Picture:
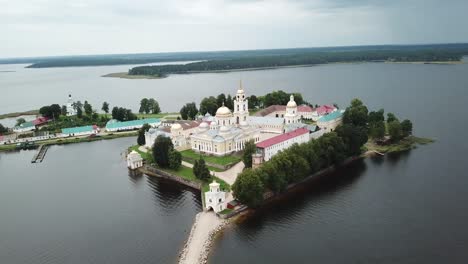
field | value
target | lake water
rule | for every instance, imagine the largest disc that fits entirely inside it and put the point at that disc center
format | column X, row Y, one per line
column 407, row 208
column 81, row 205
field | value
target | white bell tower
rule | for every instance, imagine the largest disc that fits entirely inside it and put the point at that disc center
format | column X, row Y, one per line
column 291, row 115
column 241, row 106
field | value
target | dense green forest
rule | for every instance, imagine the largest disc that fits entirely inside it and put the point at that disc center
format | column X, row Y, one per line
column 424, row 54
column 258, row 58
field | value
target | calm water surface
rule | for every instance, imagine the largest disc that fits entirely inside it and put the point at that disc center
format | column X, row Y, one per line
column 80, row 204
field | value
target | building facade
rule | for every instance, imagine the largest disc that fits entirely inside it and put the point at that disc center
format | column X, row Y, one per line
column 215, row 198
column 134, row 160
column 70, row 109
column 270, row 147
column 115, row 126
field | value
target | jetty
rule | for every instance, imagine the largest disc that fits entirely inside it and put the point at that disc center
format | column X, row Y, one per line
column 40, row 154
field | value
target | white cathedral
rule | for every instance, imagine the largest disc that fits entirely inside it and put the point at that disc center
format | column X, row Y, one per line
column 229, row 131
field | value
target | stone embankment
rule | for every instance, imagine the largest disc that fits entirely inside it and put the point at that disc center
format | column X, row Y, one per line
column 200, row 240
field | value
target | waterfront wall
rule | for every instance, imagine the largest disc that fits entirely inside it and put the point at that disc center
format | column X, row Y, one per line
column 152, row 171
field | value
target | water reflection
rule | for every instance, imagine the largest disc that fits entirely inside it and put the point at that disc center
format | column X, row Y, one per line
column 282, row 212
column 135, row 176
column 395, row 158
column 171, row 196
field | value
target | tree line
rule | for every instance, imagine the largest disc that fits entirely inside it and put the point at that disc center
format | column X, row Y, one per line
column 301, row 160
column 307, row 57
column 210, row 104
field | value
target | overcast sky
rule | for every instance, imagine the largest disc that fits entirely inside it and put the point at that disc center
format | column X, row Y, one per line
column 63, row 27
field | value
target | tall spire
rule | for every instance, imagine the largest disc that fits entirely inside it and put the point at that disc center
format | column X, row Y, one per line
column 240, row 85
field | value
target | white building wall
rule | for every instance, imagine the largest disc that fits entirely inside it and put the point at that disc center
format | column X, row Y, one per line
column 272, row 150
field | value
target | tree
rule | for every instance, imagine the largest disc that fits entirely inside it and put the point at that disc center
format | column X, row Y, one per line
column 406, row 128
column 175, row 159
column 221, row 99
column 154, row 106
column 272, row 178
column 20, row 121
column 249, row 150
column 391, row 117
column 79, row 112
column 189, row 111
column 354, row 137
column 64, row 110
column 209, row 105
column 105, row 107
column 123, row 114
column 51, row 111
column 3, row 129
column 161, row 148
column 376, row 124
column 394, row 129
column 200, row 170
column 88, row 108
column 144, row 106
column 141, row 137
column 248, row 188
column 356, row 114
column 377, row 130
column 253, row 102
column 229, row 102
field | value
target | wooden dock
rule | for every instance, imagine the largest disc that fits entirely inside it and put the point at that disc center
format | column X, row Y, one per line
column 40, row 154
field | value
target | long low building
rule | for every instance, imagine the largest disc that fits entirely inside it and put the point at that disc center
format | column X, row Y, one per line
column 270, row 147
column 80, row 131
column 24, row 127
column 115, row 126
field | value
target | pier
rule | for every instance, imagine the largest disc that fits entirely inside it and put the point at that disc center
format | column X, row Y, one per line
column 40, row 154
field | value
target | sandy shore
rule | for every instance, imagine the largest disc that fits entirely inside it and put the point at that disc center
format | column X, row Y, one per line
column 197, row 247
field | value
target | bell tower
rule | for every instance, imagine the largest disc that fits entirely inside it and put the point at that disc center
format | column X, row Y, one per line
column 241, row 105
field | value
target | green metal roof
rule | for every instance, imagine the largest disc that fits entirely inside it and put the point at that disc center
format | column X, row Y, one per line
column 74, row 130
column 26, row 124
column 139, row 122
column 331, row 116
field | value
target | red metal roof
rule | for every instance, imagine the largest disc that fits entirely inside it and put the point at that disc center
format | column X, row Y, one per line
column 304, row 108
column 40, row 120
column 325, row 109
column 279, row 108
column 283, row 137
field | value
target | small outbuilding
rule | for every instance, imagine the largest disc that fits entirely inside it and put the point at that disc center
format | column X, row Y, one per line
column 134, row 160
column 215, row 198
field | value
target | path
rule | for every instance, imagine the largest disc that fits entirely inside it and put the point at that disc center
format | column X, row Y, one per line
column 228, row 176
column 199, row 242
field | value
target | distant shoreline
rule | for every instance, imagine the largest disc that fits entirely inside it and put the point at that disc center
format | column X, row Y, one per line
column 125, row 75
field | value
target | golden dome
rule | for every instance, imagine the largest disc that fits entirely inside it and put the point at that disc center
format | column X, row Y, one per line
column 291, row 103
column 223, row 112
column 176, row 126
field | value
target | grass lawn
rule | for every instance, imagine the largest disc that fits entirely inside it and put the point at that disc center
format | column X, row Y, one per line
column 225, row 160
column 226, row 211
column 403, row 145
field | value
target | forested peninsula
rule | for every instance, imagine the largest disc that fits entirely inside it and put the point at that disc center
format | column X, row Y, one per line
column 424, row 54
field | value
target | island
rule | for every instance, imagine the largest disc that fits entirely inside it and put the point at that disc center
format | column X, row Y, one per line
column 240, row 161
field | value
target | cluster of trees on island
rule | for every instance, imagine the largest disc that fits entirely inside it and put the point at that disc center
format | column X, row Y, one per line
column 210, row 104
column 301, row 160
column 310, row 57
